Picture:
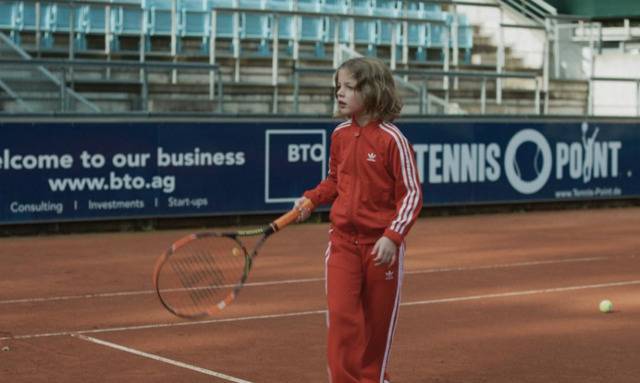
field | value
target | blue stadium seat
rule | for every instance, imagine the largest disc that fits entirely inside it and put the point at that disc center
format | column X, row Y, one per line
column 309, row 5
column 153, row 19
column 279, row 5
column 365, row 29
column 6, row 15
column 96, row 19
column 256, row 4
column 82, row 27
column 220, row 3
column 418, row 34
column 159, row 17
column 337, row 7
column 438, row 32
column 11, row 19
column 432, row 8
column 285, row 27
column 224, row 24
column 55, row 19
column 387, row 8
column 257, row 26
column 311, row 29
column 465, row 36
column 196, row 22
column 384, row 27
column 125, row 21
column 437, row 35
column 28, row 15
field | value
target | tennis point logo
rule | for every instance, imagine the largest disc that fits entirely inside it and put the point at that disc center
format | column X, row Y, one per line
column 528, row 162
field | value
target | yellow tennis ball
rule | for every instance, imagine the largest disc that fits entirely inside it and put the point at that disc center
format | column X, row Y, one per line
column 236, row 252
column 606, row 306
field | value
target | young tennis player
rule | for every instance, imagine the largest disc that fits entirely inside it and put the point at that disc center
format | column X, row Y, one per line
column 376, row 197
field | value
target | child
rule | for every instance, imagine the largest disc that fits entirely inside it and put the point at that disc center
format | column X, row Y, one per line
column 376, row 197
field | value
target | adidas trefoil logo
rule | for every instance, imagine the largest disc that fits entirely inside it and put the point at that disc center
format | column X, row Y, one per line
column 371, row 157
column 388, row 275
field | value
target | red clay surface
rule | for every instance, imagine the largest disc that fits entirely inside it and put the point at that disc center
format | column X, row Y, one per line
column 487, row 298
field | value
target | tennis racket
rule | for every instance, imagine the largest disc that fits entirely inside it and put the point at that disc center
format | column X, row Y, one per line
column 202, row 273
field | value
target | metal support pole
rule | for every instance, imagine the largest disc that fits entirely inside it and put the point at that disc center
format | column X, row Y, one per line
column 274, row 65
column 336, row 42
column 483, row 96
column 427, row 108
column 500, row 62
column 405, row 44
column 142, row 39
column 423, row 92
column 590, row 98
column 445, row 79
column 220, row 92
column 296, row 38
column 144, row 97
column 545, row 64
column 236, row 43
column 174, row 39
column 71, row 31
column 296, row 91
column 108, row 37
column 454, row 40
column 275, row 58
column 38, row 37
column 63, row 80
column 556, row 49
column 638, row 98
column 537, row 97
column 212, row 52
column 72, row 13
column 393, row 46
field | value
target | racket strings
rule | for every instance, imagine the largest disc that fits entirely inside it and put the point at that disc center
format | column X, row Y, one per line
column 201, row 274
column 191, row 279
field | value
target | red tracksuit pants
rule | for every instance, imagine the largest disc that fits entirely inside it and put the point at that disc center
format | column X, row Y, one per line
column 363, row 301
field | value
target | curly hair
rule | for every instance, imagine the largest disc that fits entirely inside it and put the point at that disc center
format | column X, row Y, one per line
column 375, row 84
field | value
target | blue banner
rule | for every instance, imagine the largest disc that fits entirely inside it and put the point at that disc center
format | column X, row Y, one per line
column 526, row 161
column 106, row 170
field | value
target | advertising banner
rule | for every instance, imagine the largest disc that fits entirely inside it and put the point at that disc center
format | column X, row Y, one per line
column 109, row 170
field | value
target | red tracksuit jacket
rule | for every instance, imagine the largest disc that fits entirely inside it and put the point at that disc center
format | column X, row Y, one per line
column 372, row 182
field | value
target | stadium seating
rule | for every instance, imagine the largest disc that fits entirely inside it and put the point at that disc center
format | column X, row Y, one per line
column 152, row 20
column 309, row 32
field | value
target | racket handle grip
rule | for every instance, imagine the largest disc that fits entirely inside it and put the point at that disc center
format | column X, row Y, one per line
column 291, row 216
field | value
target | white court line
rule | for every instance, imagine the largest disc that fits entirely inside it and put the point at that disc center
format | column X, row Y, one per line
column 305, row 280
column 161, row 359
column 507, row 265
column 323, row 312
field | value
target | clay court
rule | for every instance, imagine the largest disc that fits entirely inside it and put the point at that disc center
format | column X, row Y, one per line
column 498, row 298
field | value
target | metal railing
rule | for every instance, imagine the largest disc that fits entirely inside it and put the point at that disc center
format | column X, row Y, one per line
column 422, row 88
column 483, row 76
column 535, row 10
column 400, row 17
column 8, row 48
column 65, row 70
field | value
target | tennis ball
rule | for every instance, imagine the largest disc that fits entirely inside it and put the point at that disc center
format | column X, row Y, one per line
column 5, row 348
column 236, row 252
column 606, row 306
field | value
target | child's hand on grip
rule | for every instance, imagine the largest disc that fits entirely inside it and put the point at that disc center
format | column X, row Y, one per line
column 305, row 212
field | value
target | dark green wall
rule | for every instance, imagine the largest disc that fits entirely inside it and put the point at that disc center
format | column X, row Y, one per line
column 598, row 8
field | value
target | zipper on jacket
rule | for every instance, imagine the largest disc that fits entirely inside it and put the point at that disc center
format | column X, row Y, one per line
column 355, row 173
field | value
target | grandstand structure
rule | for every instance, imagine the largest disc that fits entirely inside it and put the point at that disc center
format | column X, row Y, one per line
column 278, row 56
